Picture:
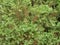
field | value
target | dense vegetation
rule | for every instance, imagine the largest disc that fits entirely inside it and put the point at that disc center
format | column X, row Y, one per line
column 29, row 22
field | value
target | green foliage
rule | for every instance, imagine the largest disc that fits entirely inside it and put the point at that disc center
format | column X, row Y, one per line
column 29, row 22
column 41, row 9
